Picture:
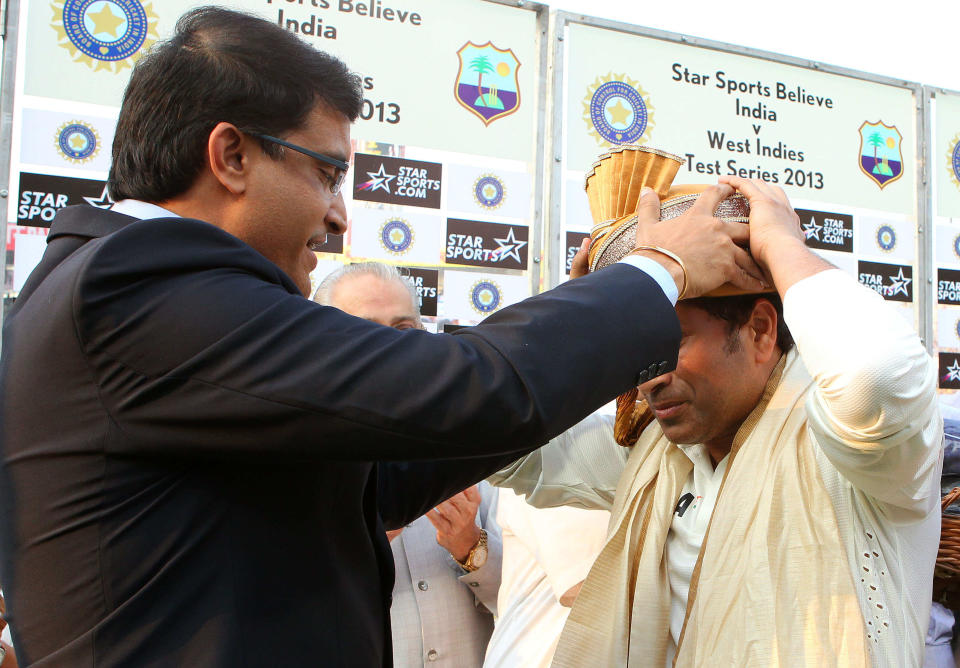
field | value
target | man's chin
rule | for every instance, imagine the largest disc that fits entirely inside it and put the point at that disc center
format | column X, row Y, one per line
column 679, row 434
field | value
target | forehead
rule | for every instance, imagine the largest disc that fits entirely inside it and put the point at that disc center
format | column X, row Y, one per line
column 372, row 297
column 326, row 131
column 695, row 320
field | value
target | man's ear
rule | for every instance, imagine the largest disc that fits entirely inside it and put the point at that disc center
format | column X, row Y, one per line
column 227, row 156
column 762, row 330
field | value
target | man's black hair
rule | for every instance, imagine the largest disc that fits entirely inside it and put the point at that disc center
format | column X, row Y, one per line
column 736, row 310
column 220, row 65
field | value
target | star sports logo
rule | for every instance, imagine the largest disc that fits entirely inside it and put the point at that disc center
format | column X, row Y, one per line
column 949, row 371
column 388, row 180
column 379, row 180
column 826, row 230
column 890, row 281
column 899, row 284
column 508, row 247
column 482, row 244
column 811, row 230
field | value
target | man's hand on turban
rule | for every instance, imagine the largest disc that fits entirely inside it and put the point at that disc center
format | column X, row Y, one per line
column 711, row 250
column 776, row 241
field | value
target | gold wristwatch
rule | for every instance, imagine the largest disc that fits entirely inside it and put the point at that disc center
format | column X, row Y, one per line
column 477, row 556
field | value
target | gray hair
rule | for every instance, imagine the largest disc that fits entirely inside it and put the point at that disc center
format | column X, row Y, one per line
column 382, row 271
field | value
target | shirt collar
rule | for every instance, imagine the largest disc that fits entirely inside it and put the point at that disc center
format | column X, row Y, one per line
column 136, row 208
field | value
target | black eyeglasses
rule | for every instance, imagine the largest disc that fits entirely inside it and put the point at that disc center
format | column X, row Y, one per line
column 335, row 182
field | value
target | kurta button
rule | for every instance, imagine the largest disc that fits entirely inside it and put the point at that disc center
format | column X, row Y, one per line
column 433, row 655
column 474, row 584
column 423, row 585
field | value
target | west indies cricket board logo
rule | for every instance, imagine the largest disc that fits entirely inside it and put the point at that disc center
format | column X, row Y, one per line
column 617, row 110
column 104, row 34
column 880, row 156
column 487, row 84
column 953, row 160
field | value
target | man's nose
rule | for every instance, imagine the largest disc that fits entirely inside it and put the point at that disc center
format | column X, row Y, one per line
column 336, row 218
column 655, row 384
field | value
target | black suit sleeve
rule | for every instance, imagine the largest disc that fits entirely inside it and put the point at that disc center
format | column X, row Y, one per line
column 199, row 348
column 406, row 490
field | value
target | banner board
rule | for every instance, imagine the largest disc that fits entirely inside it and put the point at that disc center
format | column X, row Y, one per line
column 944, row 168
column 844, row 148
column 449, row 128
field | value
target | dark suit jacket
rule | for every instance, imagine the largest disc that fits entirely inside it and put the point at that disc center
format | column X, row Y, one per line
column 187, row 443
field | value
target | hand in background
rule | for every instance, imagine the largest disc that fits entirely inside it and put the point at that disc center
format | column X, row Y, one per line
column 455, row 521
column 580, row 265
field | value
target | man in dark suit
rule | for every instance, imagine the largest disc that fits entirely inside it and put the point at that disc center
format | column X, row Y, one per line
column 187, row 442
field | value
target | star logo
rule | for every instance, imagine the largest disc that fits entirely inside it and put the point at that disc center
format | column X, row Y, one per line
column 104, row 34
column 105, row 21
column 379, row 180
column 509, row 247
column 619, row 113
column 811, row 230
column 617, row 110
column 953, row 372
column 103, row 202
column 899, row 283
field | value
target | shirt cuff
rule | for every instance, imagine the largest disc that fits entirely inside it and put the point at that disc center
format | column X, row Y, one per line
column 657, row 272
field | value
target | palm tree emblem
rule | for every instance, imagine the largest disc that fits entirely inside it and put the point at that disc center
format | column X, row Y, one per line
column 481, row 65
column 875, row 140
column 487, row 84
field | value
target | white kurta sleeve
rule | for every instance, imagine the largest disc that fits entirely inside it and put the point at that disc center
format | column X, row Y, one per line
column 579, row 468
column 874, row 409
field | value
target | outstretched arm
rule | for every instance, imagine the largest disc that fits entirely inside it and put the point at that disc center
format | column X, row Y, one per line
column 874, row 410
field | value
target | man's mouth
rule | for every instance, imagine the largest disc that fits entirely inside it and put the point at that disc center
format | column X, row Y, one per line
column 667, row 409
column 316, row 243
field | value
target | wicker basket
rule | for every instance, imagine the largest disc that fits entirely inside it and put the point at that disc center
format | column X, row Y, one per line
column 946, row 574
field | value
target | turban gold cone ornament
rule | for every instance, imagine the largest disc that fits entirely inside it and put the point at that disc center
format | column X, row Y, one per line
column 613, row 186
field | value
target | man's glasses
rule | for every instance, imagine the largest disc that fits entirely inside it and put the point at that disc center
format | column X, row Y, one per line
column 335, row 182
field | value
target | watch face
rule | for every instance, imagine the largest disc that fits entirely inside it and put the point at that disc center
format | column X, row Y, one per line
column 479, row 556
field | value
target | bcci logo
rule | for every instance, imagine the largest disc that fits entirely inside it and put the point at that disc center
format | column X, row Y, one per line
column 396, row 236
column 618, row 111
column 886, row 238
column 77, row 142
column 488, row 191
column 104, row 34
column 956, row 246
column 485, row 297
column 953, row 160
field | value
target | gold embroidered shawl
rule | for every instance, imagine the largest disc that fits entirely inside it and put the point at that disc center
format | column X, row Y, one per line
column 771, row 587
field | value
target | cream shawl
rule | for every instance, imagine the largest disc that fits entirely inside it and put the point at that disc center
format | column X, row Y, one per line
column 771, row 586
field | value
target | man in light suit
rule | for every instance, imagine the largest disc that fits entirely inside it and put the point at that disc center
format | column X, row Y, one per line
column 188, row 443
